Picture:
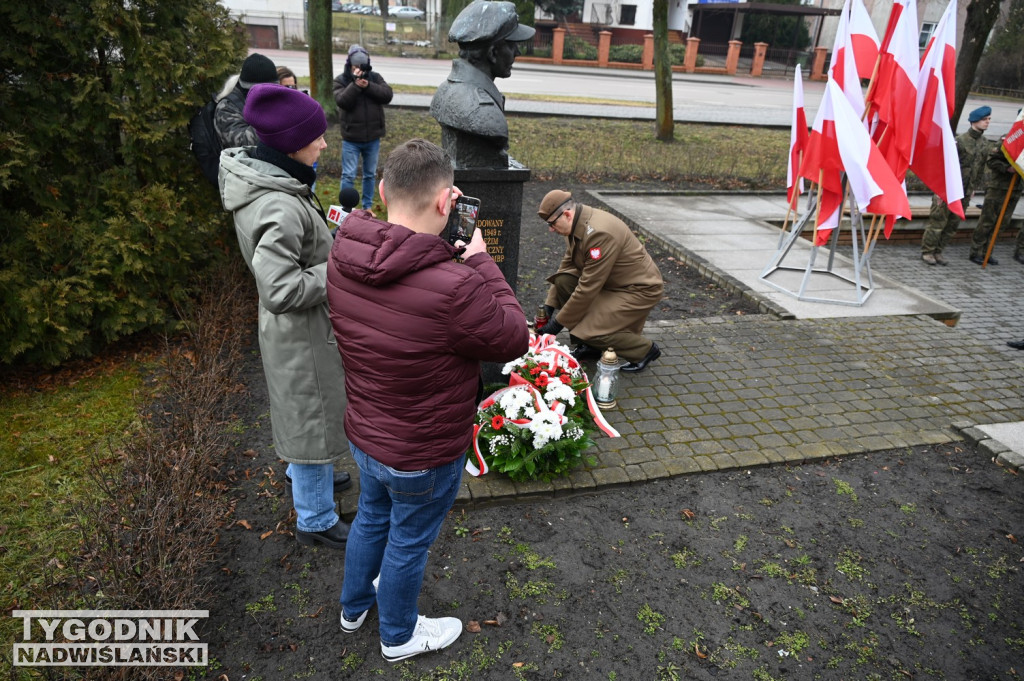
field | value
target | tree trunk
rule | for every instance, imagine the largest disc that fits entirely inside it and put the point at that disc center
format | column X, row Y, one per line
column 662, row 73
column 321, row 54
column 981, row 17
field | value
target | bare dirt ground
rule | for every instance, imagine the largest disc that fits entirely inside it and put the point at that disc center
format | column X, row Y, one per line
column 892, row 565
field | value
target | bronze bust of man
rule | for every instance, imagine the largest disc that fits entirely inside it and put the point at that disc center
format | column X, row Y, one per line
column 468, row 106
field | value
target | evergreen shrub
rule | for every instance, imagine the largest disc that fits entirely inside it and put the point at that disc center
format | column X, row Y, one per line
column 106, row 215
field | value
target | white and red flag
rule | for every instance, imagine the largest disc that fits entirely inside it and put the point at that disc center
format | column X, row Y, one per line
column 840, row 143
column 843, row 69
column 898, row 6
column 1013, row 143
column 942, row 48
column 934, row 158
column 864, row 39
column 797, row 141
column 894, row 88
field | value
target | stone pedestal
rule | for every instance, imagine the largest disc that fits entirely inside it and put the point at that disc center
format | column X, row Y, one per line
column 501, row 207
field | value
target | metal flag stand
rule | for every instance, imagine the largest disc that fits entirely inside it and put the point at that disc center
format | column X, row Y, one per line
column 863, row 286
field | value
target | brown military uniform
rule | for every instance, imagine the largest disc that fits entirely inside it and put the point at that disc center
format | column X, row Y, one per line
column 606, row 284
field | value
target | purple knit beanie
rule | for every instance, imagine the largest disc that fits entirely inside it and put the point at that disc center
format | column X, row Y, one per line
column 284, row 119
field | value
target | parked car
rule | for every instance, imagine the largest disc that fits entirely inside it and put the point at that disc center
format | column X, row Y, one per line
column 336, row 6
column 406, row 12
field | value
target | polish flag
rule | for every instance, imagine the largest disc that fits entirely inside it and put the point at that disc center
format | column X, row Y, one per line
column 943, row 41
column 894, row 87
column 864, row 39
column 898, row 7
column 797, row 141
column 843, row 70
column 839, row 143
column 934, row 158
column 1013, row 143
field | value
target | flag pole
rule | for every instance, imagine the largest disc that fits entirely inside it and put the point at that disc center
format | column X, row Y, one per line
column 871, row 86
column 817, row 210
column 999, row 222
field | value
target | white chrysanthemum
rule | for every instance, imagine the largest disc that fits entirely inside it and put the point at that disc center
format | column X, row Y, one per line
column 545, row 428
column 514, row 364
column 556, row 391
column 515, row 403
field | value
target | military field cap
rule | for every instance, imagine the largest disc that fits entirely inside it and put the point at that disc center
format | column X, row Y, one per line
column 979, row 113
column 484, row 21
column 553, row 203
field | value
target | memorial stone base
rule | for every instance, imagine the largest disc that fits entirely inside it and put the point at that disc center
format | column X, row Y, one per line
column 501, row 207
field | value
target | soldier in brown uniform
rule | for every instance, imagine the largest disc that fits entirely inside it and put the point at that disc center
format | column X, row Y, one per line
column 605, row 285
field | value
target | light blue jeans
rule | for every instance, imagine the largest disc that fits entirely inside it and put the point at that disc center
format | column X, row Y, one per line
column 399, row 517
column 351, row 153
column 313, row 495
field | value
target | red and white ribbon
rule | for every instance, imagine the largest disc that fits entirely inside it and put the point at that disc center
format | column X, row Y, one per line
column 538, row 344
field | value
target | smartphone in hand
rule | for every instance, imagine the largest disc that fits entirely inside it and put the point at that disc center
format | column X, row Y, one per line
column 462, row 220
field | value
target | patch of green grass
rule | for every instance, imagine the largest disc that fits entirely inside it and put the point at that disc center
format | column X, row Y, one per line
column 651, row 619
column 617, row 579
column 849, row 563
column 740, row 543
column 909, row 509
column 794, row 642
column 844, row 489
column 685, row 557
column 533, row 589
column 771, row 569
column 264, row 604
column 49, row 440
column 531, row 559
column 550, row 634
column 721, row 593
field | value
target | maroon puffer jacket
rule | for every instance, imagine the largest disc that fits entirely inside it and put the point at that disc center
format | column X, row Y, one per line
column 413, row 326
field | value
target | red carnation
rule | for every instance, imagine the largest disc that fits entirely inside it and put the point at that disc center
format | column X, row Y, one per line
column 497, row 422
column 566, row 379
column 541, row 381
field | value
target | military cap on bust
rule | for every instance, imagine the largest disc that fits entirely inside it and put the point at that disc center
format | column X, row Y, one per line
column 484, row 21
column 979, row 113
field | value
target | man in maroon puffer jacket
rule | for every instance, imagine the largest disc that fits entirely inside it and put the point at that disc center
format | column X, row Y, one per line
column 413, row 326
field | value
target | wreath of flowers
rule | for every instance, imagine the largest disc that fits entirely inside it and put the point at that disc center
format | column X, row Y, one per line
column 538, row 427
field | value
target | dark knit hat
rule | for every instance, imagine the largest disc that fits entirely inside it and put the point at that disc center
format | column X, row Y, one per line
column 979, row 113
column 553, row 204
column 257, row 69
column 284, row 119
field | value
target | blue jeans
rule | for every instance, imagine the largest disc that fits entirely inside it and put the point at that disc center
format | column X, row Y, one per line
column 313, row 495
column 351, row 152
column 399, row 517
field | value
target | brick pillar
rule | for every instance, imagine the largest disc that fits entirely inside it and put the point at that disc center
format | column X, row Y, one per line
column 690, row 60
column 557, row 45
column 647, row 59
column 818, row 67
column 604, row 44
column 733, row 57
column 757, row 65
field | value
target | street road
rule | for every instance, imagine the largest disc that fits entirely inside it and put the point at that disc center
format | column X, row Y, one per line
column 739, row 100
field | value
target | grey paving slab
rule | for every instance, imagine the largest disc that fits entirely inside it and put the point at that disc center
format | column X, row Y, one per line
column 735, row 233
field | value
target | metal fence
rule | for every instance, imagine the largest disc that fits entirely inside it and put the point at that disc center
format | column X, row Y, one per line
column 782, row 62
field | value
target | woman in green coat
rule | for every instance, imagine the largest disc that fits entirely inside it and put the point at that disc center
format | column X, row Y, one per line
column 284, row 240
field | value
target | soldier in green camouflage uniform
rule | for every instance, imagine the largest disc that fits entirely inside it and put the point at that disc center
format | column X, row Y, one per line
column 972, row 148
column 1000, row 174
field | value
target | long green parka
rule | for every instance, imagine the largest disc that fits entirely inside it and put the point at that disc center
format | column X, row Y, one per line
column 285, row 242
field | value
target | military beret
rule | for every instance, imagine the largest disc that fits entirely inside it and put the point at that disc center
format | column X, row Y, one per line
column 552, row 202
column 979, row 113
column 484, row 21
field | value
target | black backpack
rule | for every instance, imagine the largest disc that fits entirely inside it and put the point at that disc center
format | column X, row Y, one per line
column 205, row 142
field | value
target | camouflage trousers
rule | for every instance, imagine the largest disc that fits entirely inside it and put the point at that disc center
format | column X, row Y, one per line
column 994, row 198
column 942, row 225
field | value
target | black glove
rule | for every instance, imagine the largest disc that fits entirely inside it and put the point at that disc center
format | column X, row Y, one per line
column 549, row 311
column 552, row 327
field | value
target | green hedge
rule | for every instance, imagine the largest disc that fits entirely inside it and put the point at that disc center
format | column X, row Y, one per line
column 105, row 214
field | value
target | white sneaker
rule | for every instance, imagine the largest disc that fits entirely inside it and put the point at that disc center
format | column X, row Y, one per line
column 352, row 626
column 431, row 633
